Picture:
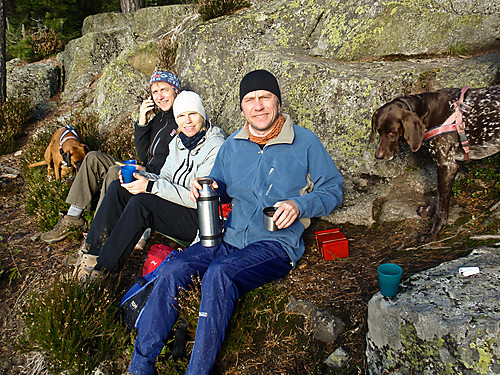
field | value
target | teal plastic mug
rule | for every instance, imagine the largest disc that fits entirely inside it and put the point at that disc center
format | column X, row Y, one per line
column 389, row 276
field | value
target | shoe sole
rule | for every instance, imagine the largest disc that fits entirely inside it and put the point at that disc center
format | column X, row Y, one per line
column 57, row 239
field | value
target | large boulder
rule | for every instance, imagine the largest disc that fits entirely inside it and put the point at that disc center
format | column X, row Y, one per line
column 352, row 30
column 440, row 322
column 37, row 81
column 336, row 61
column 117, row 94
column 109, row 35
column 335, row 99
column 146, row 23
column 403, row 28
column 85, row 58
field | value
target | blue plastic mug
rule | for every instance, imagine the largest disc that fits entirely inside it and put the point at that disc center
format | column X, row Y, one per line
column 389, row 276
column 131, row 161
column 128, row 173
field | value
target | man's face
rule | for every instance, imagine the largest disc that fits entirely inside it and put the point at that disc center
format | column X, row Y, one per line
column 261, row 109
column 163, row 95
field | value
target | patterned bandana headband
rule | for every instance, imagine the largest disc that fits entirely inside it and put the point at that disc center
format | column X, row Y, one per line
column 171, row 79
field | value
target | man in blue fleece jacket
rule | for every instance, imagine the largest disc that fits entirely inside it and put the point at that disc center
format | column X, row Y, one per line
column 269, row 162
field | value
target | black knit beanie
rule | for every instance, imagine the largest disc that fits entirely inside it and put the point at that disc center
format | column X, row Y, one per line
column 259, row 80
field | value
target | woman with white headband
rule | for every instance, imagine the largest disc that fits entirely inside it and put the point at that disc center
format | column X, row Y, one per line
column 154, row 201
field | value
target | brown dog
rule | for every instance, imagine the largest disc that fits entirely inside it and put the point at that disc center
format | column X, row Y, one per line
column 415, row 118
column 64, row 149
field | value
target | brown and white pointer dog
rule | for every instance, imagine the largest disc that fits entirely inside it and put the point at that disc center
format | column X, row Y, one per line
column 64, row 148
column 411, row 117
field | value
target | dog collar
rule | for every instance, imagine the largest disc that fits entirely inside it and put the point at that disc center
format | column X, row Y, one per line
column 68, row 133
column 407, row 103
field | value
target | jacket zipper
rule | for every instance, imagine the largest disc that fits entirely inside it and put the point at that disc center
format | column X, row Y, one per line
column 156, row 140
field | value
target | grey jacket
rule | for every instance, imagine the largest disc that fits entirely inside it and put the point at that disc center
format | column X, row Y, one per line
column 183, row 166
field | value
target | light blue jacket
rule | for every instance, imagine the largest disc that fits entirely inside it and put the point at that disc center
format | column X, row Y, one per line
column 294, row 165
column 183, row 166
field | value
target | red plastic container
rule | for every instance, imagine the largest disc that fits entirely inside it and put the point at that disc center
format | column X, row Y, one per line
column 332, row 244
column 157, row 254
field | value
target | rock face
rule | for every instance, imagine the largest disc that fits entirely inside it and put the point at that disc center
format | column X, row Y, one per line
column 322, row 53
column 439, row 322
column 336, row 62
column 121, row 50
column 38, row 81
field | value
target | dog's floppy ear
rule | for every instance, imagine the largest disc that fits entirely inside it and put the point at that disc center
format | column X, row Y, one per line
column 414, row 130
column 373, row 134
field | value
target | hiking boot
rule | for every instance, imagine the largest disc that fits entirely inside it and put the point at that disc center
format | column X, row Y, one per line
column 85, row 271
column 74, row 259
column 63, row 228
column 88, row 274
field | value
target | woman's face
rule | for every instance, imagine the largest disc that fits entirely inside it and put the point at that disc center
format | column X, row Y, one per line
column 190, row 123
column 163, row 95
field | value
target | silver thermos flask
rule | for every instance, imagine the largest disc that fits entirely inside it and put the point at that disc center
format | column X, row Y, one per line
column 208, row 214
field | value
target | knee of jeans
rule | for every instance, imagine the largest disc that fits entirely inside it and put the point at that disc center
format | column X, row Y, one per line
column 175, row 272
column 174, row 267
column 138, row 200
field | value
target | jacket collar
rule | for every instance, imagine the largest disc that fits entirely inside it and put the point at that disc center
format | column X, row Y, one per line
column 212, row 132
column 286, row 135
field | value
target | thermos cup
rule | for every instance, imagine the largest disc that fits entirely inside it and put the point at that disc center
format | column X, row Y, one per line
column 208, row 214
column 269, row 224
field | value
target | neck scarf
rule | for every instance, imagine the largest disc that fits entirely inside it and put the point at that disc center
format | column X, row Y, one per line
column 191, row 142
column 276, row 129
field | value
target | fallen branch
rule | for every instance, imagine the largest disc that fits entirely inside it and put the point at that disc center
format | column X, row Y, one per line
column 486, row 237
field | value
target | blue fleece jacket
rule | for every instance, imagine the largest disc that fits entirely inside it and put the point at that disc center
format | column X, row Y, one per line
column 294, row 165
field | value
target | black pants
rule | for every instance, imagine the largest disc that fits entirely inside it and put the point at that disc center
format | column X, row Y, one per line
column 123, row 217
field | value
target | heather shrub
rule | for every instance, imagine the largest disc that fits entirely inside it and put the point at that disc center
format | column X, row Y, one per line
column 86, row 126
column 44, row 198
column 45, row 43
column 14, row 114
column 120, row 142
column 209, row 9
column 167, row 52
column 33, row 43
column 74, row 325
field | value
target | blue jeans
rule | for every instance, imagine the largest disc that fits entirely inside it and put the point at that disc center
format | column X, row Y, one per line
column 227, row 273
